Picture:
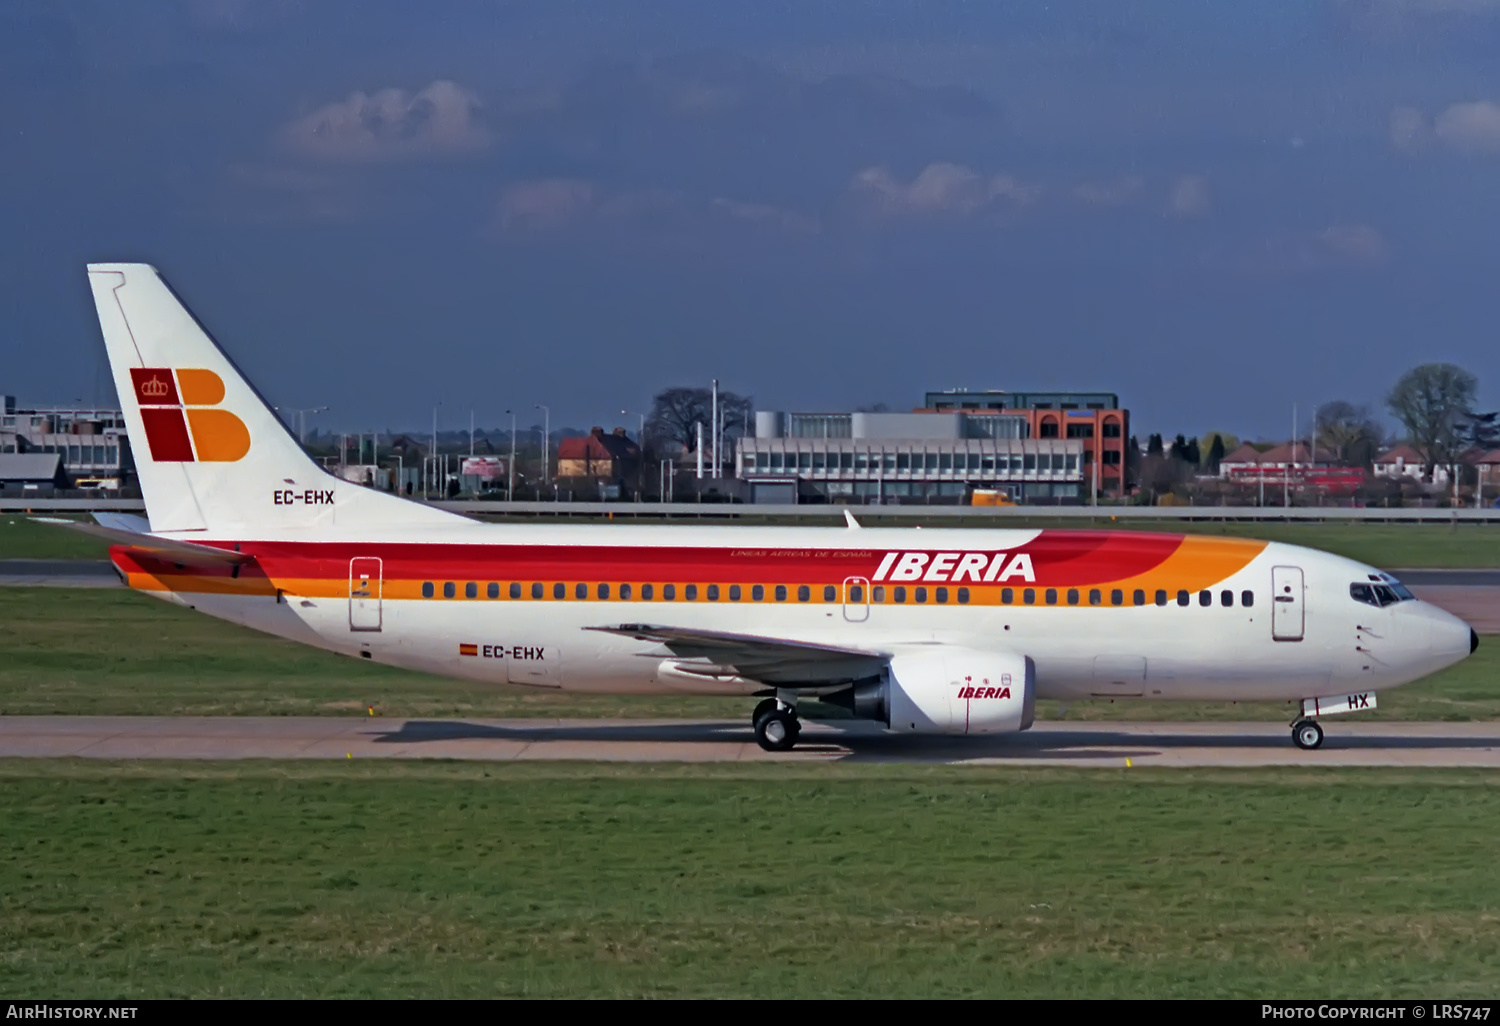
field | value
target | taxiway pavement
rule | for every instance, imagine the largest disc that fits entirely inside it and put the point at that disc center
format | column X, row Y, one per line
column 1348, row 743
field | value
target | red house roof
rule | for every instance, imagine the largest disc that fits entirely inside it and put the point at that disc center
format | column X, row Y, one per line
column 596, row 445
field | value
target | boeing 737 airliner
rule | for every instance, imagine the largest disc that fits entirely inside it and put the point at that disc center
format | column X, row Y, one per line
column 926, row 631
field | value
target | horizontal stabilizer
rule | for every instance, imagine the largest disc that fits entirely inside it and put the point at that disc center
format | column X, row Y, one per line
column 120, row 530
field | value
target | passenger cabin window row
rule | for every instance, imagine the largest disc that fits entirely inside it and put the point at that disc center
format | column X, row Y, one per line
column 1374, row 594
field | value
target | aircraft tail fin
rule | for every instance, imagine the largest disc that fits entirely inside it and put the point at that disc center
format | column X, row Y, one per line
column 211, row 454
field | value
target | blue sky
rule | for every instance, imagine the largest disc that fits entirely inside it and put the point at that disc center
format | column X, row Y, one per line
column 1216, row 210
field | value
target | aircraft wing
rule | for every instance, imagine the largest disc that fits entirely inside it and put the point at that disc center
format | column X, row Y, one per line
column 774, row 661
column 135, row 534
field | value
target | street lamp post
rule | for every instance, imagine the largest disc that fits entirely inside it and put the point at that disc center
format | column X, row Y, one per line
column 546, row 441
column 640, row 441
column 510, row 473
column 301, row 418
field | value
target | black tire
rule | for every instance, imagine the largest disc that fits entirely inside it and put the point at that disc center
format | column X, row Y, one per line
column 777, row 731
column 1307, row 735
column 761, row 708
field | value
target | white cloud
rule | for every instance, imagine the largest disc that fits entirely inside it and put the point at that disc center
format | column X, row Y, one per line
column 1470, row 126
column 1191, row 197
column 939, row 188
column 440, row 120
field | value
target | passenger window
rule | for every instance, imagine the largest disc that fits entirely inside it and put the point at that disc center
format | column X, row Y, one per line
column 602, row 591
column 624, row 593
column 963, row 596
column 1095, row 597
column 515, row 589
column 940, row 594
column 1247, row 599
column 830, row 593
column 669, row 592
column 581, row 591
column 1007, row 596
column 647, row 592
column 536, row 590
column 734, row 593
column 1072, row 596
column 804, row 593
column 921, row 594
column 1161, row 597
column 493, row 591
column 690, row 592
column 559, row 590
column 427, row 589
column 1139, row 597
column 758, row 593
column 1226, row 597
column 1117, row 597
column 1029, row 596
column 1205, row 598
column 1051, row 596
column 899, row 594
column 1183, row 598
column 857, row 593
column 712, row 593
column 781, row 592
column 471, row 590
column 449, row 590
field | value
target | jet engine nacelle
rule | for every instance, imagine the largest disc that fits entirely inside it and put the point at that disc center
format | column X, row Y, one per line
column 960, row 691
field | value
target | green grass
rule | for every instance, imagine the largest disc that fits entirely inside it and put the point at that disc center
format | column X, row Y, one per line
column 1383, row 545
column 23, row 538
column 116, row 652
column 444, row 880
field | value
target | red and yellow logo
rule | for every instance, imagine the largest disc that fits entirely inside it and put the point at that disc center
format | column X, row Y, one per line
column 183, row 424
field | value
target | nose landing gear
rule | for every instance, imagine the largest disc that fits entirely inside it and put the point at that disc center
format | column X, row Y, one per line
column 1307, row 735
column 776, row 725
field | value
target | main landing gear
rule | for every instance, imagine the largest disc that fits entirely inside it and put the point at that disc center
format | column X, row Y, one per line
column 776, row 725
column 1307, row 735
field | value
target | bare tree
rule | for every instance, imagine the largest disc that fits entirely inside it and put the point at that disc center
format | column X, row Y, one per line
column 1433, row 402
column 676, row 412
column 1350, row 432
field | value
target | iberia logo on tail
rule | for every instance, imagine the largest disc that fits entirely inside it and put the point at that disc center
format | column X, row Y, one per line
column 182, row 418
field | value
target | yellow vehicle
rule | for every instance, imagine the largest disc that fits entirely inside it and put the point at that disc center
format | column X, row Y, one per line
column 990, row 497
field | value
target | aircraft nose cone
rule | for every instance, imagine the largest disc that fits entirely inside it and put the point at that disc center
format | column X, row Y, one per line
column 1473, row 641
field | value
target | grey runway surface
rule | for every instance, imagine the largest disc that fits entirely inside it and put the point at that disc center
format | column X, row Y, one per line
column 1348, row 743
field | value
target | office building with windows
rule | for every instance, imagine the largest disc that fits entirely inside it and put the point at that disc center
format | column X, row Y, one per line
column 1093, row 418
column 92, row 444
column 905, row 458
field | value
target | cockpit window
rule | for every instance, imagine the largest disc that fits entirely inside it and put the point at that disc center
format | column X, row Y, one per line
column 1378, row 595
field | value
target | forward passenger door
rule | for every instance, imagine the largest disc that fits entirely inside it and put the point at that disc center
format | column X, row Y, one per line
column 1288, row 613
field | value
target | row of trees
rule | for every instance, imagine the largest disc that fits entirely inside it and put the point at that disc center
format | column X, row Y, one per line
column 1434, row 404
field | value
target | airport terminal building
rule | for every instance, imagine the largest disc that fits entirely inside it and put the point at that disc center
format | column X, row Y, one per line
column 1039, row 447
column 904, row 458
column 91, row 446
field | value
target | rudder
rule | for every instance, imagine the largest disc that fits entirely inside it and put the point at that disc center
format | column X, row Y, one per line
column 211, row 455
